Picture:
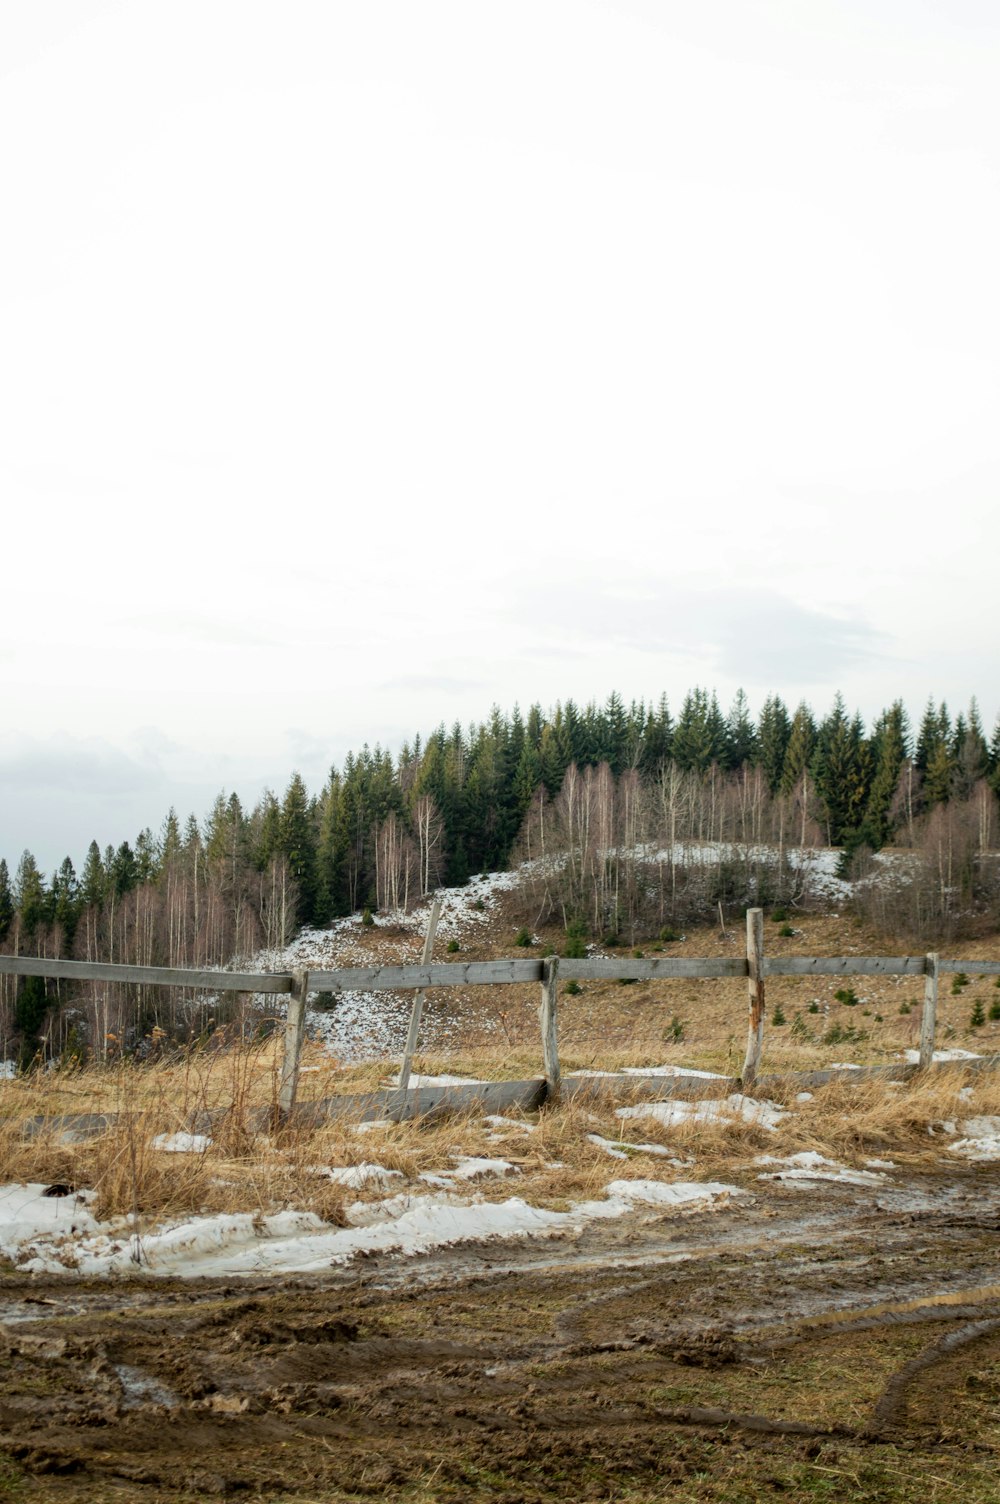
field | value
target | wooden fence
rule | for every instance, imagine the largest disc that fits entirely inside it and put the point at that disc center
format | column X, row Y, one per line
column 547, row 972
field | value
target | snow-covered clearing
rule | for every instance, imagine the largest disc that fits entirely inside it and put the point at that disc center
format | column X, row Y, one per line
column 372, row 1025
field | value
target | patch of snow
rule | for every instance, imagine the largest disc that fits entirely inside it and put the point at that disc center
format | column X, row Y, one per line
column 373, row 1125
column 803, row 1096
column 649, row 1070
column 843, row 1065
column 663, row 1193
column 181, row 1143
column 809, row 1165
column 496, row 1120
column 8, row 1070
column 51, row 1235
column 672, row 1070
column 912, row 1057
column 673, row 1113
column 621, row 1149
column 416, row 1080
column 879, row 1164
column 469, row 1167
column 355, row 1177
column 980, row 1139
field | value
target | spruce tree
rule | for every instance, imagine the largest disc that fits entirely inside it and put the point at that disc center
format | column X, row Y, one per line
column 6, row 902
column 123, row 870
column 298, row 842
column 93, row 879
column 774, row 728
column 890, row 745
column 658, row 737
column 65, row 890
column 741, row 736
column 799, row 752
column 30, row 895
column 30, row 1008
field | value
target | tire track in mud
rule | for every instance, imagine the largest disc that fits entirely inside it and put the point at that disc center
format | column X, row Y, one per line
column 496, row 1363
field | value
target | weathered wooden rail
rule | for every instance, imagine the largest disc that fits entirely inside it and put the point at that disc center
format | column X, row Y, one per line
column 547, row 972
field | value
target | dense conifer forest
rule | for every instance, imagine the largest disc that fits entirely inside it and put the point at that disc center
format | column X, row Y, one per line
column 616, row 790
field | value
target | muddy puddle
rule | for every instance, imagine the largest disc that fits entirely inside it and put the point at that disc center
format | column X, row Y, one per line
column 839, row 1342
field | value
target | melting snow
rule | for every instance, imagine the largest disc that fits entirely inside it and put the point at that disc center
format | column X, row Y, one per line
column 673, row 1113
column 621, row 1149
column 181, row 1143
column 980, row 1139
column 812, row 1166
column 357, row 1176
column 49, row 1235
column 912, row 1057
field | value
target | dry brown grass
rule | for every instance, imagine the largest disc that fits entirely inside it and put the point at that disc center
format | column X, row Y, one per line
column 249, row 1167
column 230, row 1091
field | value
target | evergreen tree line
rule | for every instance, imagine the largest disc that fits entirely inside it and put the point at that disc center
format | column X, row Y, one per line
column 384, row 830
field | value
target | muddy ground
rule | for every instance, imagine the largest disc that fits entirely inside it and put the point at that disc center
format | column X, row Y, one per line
column 830, row 1343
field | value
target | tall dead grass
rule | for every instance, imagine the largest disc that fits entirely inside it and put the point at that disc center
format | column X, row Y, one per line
column 249, row 1164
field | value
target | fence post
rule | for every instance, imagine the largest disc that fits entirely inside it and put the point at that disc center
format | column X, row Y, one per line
column 413, row 1033
column 928, row 1022
column 755, row 988
column 295, row 1030
column 547, row 1016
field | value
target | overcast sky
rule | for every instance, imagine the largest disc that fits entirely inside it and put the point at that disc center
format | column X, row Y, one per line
column 363, row 365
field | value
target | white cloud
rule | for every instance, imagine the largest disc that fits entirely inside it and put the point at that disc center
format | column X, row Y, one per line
column 363, row 367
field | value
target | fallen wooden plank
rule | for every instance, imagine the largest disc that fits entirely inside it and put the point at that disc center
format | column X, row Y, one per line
column 421, row 1101
column 495, row 1096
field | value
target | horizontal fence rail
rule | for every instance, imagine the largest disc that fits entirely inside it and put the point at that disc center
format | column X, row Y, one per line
column 547, row 972
column 443, row 974
column 848, row 966
column 146, row 976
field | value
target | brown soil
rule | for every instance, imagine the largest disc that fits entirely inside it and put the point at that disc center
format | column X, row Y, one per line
column 823, row 1344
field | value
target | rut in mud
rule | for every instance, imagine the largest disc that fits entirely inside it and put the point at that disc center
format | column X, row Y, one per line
column 840, row 1344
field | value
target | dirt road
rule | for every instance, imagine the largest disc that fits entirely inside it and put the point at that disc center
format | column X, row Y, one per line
column 833, row 1343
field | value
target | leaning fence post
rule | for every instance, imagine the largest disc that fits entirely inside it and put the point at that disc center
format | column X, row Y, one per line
column 755, row 987
column 413, row 1033
column 295, row 1030
column 928, row 1022
column 547, row 1015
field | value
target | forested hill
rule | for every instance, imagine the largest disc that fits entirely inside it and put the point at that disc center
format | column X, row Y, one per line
column 386, row 828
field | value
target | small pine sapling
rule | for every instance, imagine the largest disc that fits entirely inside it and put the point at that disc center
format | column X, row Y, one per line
column 452, row 947
column 575, row 948
column 977, row 1018
column 778, row 1016
column 572, row 987
column 994, row 1012
column 847, row 996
